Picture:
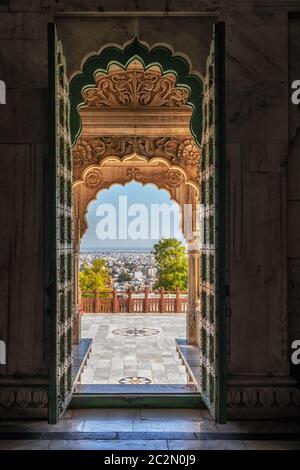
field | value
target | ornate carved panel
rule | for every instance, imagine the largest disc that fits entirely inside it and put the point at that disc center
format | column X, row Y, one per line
column 61, row 234
column 22, row 401
column 93, row 150
column 135, row 87
column 182, row 152
column 212, row 247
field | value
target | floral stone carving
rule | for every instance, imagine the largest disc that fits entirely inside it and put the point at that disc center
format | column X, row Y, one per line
column 189, row 152
column 135, row 87
column 173, row 178
column 93, row 178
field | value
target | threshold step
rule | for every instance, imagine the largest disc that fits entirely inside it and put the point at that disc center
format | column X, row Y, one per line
column 148, row 389
column 136, row 396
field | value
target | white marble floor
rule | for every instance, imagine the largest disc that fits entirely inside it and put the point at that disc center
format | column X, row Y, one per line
column 147, row 350
column 152, row 429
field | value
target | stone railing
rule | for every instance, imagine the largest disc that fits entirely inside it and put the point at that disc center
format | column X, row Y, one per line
column 137, row 301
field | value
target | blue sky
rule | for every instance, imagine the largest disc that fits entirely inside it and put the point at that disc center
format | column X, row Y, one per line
column 98, row 220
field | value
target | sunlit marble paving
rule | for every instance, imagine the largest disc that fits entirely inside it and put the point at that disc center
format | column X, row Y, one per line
column 133, row 349
column 151, row 429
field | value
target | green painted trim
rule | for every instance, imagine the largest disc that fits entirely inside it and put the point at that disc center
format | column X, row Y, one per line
column 222, row 214
column 50, row 256
column 86, row 400
column 160, row 56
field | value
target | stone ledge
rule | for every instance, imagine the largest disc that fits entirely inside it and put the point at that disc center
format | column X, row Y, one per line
column 262, row 397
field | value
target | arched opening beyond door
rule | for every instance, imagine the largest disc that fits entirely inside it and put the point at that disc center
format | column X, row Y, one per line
column 136, row 318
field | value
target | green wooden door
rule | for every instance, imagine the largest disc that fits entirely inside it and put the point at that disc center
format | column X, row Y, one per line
column 60, row 232
column 213, row 240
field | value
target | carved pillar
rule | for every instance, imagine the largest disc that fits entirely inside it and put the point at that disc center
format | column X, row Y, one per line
column 192, row 319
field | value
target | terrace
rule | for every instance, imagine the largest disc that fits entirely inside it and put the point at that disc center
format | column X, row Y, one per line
column 134, row 337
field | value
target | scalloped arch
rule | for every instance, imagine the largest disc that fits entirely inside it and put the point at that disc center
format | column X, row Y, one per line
column 84, row 221
column 161, row 56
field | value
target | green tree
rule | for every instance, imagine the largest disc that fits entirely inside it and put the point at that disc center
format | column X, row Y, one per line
column 172, row 264
column 124, row 276
column 95, row 277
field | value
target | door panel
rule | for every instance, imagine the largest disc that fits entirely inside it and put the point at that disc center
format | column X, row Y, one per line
column 60, row 231
column 213, row 240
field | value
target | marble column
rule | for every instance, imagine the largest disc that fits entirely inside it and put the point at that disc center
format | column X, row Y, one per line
column 192, row 319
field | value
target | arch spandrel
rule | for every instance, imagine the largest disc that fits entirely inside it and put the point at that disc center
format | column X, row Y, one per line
column 115, row 171
column 160, row 55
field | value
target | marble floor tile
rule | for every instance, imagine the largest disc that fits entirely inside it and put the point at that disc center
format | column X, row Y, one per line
column 108, row 425
column 64, row 425
column 259, row 426
column 206, row 445
column 100, row 414
column 24, row 445
column 272, row 445
column 108, row 445
column 161, row 414
column 172, row 425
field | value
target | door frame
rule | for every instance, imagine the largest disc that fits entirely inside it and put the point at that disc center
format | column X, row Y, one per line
column 223, row 234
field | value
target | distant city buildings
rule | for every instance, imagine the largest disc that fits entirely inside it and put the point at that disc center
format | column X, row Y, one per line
column 131, row 269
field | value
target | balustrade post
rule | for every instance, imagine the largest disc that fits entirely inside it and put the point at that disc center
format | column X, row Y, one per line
column 129, row 300
column 177, row 301
column 114, row 301
column 146, row 300
column 96, row 301
column 162, row 300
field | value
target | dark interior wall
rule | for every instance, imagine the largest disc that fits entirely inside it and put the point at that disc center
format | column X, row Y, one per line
column 84, row 36
column 294, row 190
column 257, row 84
column 23, row 145
column 257, row 138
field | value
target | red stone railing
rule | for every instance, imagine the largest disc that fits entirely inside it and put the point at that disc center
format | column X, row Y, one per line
column 141, row 301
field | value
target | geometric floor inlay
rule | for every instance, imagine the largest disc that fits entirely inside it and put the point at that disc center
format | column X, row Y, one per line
column 135, row 381
column 147, row 350
column 136, row 332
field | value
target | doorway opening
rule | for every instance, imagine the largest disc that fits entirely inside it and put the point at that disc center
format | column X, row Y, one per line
column 141, row 113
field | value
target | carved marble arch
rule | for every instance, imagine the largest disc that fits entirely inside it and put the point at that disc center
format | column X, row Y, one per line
column 160, row 56
column 114, row 170
column 136, row 109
